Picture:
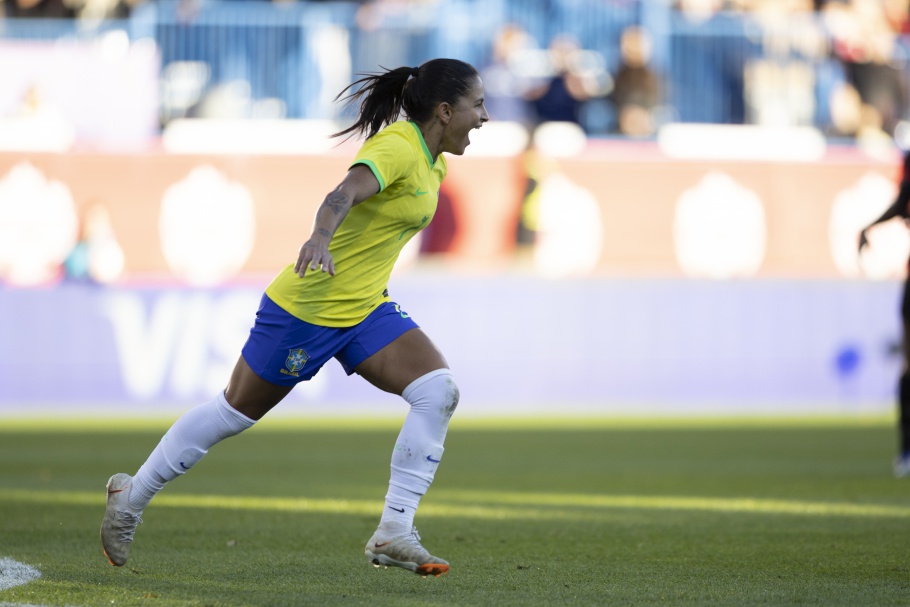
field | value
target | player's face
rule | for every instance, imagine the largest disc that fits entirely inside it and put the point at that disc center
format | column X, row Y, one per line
column 468, row 113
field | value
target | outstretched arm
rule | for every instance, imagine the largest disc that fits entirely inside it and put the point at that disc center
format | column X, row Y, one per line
column 358, row 184
column 897, row 209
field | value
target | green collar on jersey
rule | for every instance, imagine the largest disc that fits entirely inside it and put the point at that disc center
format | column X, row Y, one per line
column 423, row 143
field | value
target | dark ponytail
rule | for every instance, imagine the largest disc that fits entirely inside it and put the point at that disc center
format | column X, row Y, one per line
column 413, row 91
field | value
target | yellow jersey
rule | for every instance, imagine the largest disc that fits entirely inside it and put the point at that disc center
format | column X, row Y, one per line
column 367, row 243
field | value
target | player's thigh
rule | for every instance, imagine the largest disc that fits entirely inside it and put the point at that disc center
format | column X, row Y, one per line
column 410, row 356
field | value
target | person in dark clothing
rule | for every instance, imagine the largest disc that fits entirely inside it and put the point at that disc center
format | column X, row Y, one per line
column 637, row 88
column 39, row 9
column 899, row 208
column 562, row 95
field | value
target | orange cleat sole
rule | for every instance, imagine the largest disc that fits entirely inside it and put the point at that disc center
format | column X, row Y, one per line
column 433, row 569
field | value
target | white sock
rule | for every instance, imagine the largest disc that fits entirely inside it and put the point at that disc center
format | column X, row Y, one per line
column 400, row 507
column 184, row 444
column 418, row 450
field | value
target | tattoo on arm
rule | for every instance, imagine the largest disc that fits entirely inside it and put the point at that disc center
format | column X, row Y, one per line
column 337, row 202
column 331, row 213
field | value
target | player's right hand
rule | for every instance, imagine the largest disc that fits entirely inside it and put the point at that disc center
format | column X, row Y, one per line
column 312, row 256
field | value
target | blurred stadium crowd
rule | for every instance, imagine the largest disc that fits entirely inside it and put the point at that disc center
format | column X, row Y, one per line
column 247, row 77
column 615, row 67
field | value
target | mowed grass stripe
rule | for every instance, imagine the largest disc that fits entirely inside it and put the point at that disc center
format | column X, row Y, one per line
column 68, row 423
column 645, row 502
column 495, row 504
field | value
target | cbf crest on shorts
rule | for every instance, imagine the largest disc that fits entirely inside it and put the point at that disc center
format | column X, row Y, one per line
column 295, row 361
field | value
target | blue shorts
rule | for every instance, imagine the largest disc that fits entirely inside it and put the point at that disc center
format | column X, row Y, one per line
column 284, row 350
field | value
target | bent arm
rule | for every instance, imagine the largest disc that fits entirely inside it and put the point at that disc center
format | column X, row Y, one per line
column 358, row 184
column 897, row 209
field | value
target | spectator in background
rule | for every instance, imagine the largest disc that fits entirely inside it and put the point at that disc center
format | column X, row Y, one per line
column 637, row 89
column 505, row 81
column 900, row 209
column 40, row 9
column 90, row 10
column 865, row 41
column 97, row 256
column 559, row 99
column 575, row 78
column 789, row 70
column 84, row 10
column 845, row 112
column 98, row 10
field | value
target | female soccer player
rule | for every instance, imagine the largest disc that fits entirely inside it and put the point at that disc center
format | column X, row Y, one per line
column 900, row 208
column 306, row 317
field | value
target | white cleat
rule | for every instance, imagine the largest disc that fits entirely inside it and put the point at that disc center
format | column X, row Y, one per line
column 120, row 522
column 902, row 466
column 396, row 546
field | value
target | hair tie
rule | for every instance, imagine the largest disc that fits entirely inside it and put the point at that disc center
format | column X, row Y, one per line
column 414, row 71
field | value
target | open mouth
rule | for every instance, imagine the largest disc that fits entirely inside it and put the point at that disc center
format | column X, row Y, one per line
column 468, row 134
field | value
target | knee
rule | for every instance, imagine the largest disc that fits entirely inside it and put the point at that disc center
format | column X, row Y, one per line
column 437, row 389
column 450, row 395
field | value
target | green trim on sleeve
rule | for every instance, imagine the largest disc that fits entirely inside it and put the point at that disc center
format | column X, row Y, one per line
column 369, row 164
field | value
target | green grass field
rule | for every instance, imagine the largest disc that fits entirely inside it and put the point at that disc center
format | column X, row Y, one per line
column 600, row 514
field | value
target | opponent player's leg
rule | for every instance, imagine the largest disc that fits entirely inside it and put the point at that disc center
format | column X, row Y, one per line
column 414, row 368
column 902, row 462
column 247, row 398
